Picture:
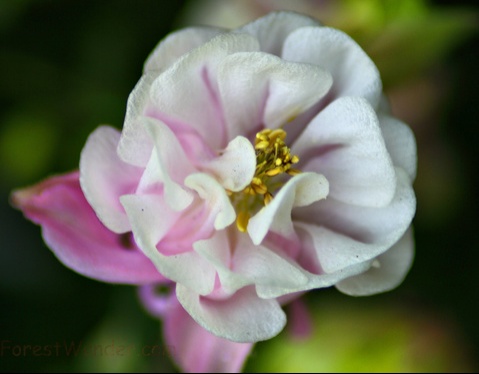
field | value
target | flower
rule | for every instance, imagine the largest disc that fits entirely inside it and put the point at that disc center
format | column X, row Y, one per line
column 253, row 165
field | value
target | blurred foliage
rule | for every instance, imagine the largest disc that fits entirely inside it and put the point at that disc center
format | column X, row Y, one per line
column 370, row 337
column 68, row 66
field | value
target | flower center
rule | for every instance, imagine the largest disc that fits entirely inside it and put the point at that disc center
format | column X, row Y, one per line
column 273, row 158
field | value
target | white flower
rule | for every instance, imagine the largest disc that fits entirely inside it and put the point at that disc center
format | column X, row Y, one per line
column 256, row 164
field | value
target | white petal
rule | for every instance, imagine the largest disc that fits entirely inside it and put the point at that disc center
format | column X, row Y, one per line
column 215, row 198
column 400, row 143
column 187, row 91
column 236, row 165
column 104, row 178
column 302, row 190
column 344, row 142
column 387, row 272
column 176, row 44
column 174, row 164
column 345, row 235
column 242, row 318
column 354, row 74
column 151, row 219
column 259, row 89
column 135, row 144
column 272, row 29
column 240, row 263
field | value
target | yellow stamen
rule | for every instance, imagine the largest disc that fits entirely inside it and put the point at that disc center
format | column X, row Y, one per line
column 242, row 220
column 273, row 158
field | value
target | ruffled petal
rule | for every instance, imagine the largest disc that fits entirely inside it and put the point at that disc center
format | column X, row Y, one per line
column 354, row 73
column 173, row 163
column 196, row 350
column 400, row 143
column 175, row 45
column 235, row 166
column 304, row 189
column 76, row 236
column 215, row 199
column 344, row 142
column 242, row 317
column 240, row 263
column 104, row 177
column 387, row 270
column 259, row 89
column 135, row 143
column 272, row 29
column 193, row 78
column 344, row 235
column 151, row 220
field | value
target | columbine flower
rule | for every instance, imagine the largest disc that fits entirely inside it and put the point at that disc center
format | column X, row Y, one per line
column 253, row 165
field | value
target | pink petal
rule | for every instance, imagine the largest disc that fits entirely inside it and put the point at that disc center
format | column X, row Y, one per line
column 76, row 236
column 104, row 177
column 193, row 78
column 196, row 350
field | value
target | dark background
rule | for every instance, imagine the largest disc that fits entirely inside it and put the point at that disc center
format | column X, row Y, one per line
column 68, row 66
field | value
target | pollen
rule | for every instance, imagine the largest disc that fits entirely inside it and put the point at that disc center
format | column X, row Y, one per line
column 273, row 158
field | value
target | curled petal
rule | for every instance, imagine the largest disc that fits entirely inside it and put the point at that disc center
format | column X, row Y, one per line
column 173, row 163
column 76, row 236
column 260, row 89
column 151, row 220
column 243, row 317
column 104, row 177
column 193, row 79
column 216, row 201
column 387, row 271
column 196, row 350
column 236, row 165
column 344, row 142
column 272, row 29
column 344, row 234
column 304, row 189
column 240, row 263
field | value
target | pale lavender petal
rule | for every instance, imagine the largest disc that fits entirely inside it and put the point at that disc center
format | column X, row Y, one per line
column 152, row 220
column 242, row 317
column 345, row 144
column 354, row 73
column 240, row 263
column 196, row 350
column 261, row 90
column 193, row 79
column 76, row 236
column 235, row 166
column 304, row 189
column 156, row 304
column 104, row 177
column 135, row 143
column 176, row 44
column 387, row 270
column 272, row 29
column 400, row 143
column 344, row 235
column 300, row 324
